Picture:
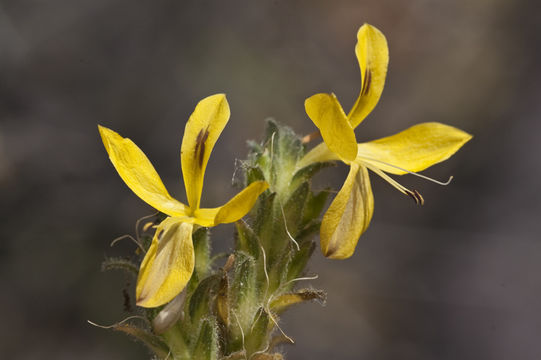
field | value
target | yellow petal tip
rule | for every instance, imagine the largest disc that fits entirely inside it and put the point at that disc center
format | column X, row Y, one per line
column 332, row 254
column 150, row 302
column 142, row 302
column 220, row 96
column 106, row 135
column 348, row 216
column 241, row 203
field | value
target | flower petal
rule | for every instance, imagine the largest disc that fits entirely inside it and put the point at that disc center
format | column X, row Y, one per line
column 234, row 209
column 327, row 114
column 373, row 56
column 319, row 153
column 201, row 133
column 168, row 264
column 348, row 216
column 138, row 173
column 415, row 148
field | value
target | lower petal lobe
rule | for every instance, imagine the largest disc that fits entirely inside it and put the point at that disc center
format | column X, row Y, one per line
column 413, row 149
column 348, row 216
column 168, row 264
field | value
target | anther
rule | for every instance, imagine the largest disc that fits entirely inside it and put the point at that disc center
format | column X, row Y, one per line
column 416, row 197
column 419, row 197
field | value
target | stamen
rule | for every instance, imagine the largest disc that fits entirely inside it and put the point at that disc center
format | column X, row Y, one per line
column 419, row 197
column 415, row 195
column 389, row 179
column 411, row 172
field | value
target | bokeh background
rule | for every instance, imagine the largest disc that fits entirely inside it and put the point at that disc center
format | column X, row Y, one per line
column 455, row 279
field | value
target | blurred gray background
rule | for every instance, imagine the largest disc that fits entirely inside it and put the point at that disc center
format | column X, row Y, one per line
column 455, row 279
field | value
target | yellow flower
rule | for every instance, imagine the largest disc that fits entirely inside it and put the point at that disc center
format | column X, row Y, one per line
column 409, row 151
column 169, row 262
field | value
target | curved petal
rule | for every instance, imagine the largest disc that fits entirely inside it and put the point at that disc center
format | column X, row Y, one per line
column 373, row 56
column 168, row 264
column 234, row 209
column 138, row 173
column 202, row 130
column 415, row 148
column 348, row 216
column 327, row 114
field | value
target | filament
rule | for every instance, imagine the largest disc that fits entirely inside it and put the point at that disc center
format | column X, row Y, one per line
column 411, row 172
column 413, row 194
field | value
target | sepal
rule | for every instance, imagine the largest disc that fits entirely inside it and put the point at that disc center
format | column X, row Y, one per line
column 207, row 345
column 258, row 332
